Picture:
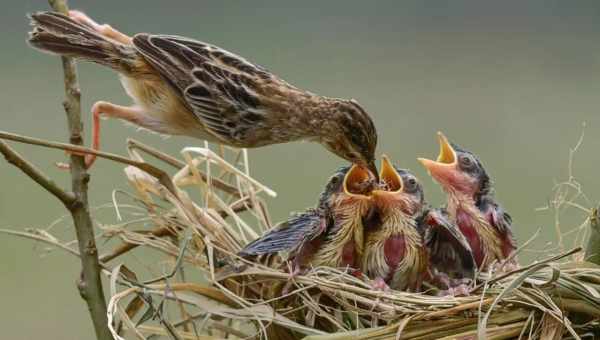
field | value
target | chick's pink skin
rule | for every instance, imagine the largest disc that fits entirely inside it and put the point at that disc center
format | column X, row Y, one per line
column 462, row 189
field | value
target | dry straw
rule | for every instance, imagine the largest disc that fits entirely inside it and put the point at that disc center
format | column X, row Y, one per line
column 197, row 288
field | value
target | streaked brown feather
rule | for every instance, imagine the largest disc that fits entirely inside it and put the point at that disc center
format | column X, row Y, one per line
column 185, row 87
column 235, row 99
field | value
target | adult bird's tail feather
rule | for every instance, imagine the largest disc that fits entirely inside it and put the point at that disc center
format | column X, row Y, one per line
column 59, row 34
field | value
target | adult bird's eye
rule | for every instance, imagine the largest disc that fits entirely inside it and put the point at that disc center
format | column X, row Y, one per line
column 353, row 156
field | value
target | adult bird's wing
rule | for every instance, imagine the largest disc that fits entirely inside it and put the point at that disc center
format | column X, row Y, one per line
column 222, row 89
column 288, row 235
column 449, row 250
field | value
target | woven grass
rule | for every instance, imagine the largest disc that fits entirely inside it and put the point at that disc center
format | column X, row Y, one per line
column 195, row 287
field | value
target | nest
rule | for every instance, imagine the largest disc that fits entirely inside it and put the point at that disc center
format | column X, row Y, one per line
column 211, row 207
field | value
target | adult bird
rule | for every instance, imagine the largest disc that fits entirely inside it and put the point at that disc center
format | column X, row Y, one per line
column 472, row 206
column 181, row 86
column 406, row 242
column 331, row 234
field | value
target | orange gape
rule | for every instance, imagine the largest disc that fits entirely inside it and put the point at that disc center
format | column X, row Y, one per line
column 330, row 234
column 472, row 206
column 403, row 238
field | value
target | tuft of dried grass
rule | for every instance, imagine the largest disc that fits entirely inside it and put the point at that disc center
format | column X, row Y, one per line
column 195, row 287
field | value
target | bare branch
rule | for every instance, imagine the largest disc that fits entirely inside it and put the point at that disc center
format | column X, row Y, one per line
column 36, row 174
column 90, row 284
column 159, row 174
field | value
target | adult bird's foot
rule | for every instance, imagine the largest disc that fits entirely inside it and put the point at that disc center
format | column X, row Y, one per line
column 104, row 29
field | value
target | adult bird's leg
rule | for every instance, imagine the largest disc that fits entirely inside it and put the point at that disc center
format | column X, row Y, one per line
column 129, row 113
column 105, row 29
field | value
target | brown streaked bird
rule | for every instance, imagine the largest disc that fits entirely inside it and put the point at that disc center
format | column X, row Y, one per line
column 472, row 206
column 331, row 234
column 181, row 86
column 406, row 242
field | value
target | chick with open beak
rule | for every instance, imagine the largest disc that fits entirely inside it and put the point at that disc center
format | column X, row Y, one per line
column 394, row 253
column 471, row 204
column 331, row 234
column 407, row 242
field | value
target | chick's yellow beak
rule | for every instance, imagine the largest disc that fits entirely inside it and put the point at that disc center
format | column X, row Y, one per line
column 446, row 159
column 389, row 177
column 358, row 181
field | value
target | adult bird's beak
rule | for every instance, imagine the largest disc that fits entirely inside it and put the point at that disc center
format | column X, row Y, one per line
column 444, row 166
column 358, row 181
column 373, row 168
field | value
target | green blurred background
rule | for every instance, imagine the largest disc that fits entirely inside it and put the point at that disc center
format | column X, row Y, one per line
column 512, row 81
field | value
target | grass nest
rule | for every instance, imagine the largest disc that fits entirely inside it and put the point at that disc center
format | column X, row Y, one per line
column 197, row 220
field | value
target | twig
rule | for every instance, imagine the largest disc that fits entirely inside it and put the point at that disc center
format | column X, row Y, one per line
column 159, row 174
column 35, row 174
column 41, row 238
column 90, row 284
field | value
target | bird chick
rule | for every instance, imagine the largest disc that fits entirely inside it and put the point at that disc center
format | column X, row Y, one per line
column 181, row 86
column 451, row 264
column 331, row 234
column 394, row 252
column 471, row 204
column 407, row 242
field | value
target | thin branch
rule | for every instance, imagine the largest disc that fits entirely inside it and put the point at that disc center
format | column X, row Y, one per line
column 42, row 238
column 133, row 145
column 36, row 174
column 90, row 284
column 77, row 150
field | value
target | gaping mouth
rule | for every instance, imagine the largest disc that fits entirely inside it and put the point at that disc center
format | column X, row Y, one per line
column 447, row 154
column 358, row 181
column 446, row 158
column 389, row 178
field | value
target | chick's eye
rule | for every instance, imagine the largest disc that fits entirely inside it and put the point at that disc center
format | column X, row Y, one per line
column 411, row 183
column 466, row 161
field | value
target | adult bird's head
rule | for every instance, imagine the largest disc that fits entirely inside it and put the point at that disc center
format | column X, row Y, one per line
column 458, row 171
column 352, row 135
column 398, row 188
